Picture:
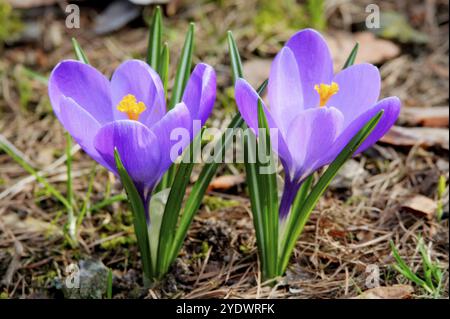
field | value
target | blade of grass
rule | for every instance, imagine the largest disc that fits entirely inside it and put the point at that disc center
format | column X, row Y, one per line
column 139, row 219
column 173, row 206
column 269, row 194
column 405, row 270
column 27, row 167
column 236, row 63
column 163, row 69
column 184, row 68
column 71, row 221
column 181, row 79
column 155, row 39
column 198, row 190
column 108, row 201
column 251, row 169
column 352, row 57
column 87, row 197
column 302, row 193
column 79, row 53
column 109, row 284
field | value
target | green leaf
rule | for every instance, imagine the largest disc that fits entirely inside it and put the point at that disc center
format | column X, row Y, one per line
column 163, row 69
column 155, row 39
column 405, row 270
column 173, row 206
column 352, row 57
column 79, row 52
column 184, row 67
column 236, row 63
column 156, row 209
column 259, row 220
column 195, row 198
column 269, row 194
column 198, row 190
column 109, row 284
column 139, row 217
column 302, row 193
column 71, row 220
column 301, row 217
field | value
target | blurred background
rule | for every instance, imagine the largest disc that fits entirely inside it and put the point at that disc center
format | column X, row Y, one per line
column 391, row 192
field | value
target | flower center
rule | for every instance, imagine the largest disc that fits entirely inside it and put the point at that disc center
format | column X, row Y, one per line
column 131, row 106
column 326, row 92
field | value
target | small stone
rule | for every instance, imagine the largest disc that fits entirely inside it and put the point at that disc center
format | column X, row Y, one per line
column 88, row 281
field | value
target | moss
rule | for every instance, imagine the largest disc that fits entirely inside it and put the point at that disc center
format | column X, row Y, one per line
column 274, row 16
column 116, row 242
column 10, row 23
column 24, row 87
column 203, row 252
column 278, row 16
column 215, row 203
column 45, row 279
column 122, row 221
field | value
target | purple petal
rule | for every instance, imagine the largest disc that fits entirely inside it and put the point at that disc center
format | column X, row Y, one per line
column 310, row 138
column 247, row 102
column 174, row 129
column 138, row 148
column 82, row 126
column 359, row 88
column 285, row 89
column 314, row 63
column 391, row 107
column 200, row 92
column 139, row 79
column 85, row 86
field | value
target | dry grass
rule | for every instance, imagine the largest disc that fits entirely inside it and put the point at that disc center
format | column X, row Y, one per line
column 350, row 228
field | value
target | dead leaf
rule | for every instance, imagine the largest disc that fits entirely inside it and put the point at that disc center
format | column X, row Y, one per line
column 436, row 116
column 423, row 136
column 226, row 182
column 421, row 206
column 371, row 49
column 392, row 292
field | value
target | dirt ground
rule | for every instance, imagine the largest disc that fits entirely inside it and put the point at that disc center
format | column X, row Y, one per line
column 349, row 231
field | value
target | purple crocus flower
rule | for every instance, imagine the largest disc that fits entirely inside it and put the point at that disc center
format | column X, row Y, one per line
column 128, row 113
column 315, row 111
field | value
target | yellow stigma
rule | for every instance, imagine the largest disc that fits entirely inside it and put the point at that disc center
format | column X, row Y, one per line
column 326, row 92
column 131, row 106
